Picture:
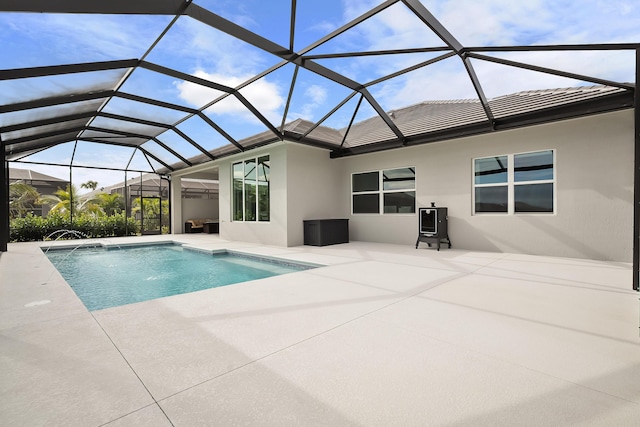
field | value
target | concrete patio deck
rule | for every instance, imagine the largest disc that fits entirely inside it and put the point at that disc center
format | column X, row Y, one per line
column 383, row 335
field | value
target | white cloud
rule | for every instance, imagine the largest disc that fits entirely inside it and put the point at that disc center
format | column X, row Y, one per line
column 112, row 36
column 263, row 94
column 317, row 94
column 395, row 27
column 494, row 22
column 497, row 22
column 222, row 59
column 315, row 97
column 449, row 79
column 611, row 65
column 81, row 38
column 194, row 45
column 446, row 80
column 323, row 27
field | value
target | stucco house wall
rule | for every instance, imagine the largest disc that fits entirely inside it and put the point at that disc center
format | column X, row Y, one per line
column 273, row 232
column 594, row 190
column 304, row 184
column 200, row 209
column 314, row 189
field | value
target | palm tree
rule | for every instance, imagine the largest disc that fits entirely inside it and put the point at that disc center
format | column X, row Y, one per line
column 110, row 203
column 90, row 185
column 68, row 202
column 22, row 199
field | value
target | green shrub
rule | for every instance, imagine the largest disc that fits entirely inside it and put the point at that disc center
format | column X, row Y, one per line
column 32, row 228
column 28, row 228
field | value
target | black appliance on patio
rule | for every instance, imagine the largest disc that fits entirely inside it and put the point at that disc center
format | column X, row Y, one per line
column 433, row 226
column 323, row 232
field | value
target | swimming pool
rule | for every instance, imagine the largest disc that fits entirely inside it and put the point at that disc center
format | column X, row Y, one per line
column 104, row 278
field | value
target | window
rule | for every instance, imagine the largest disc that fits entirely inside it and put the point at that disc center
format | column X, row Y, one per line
column 491, row 184
column 251, row 190
column 515, row 183
column 388, row 191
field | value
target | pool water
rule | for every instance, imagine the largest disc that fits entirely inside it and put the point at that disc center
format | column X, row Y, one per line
column 108, row 278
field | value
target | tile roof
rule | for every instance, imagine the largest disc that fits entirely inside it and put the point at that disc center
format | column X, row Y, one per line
column 433, row 116
column 428, row 117
column 30, row 175
column 527, row 101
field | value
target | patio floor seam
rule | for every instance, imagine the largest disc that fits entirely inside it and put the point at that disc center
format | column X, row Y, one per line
column 155, row 401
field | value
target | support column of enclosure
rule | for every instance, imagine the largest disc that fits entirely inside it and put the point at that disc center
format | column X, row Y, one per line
column 4, row 199
column 176, row 205
column 636, row 179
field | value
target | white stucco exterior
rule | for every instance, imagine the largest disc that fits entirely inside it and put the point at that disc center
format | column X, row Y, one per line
column 594, row 210
column 315, row 189
column 273, row 232
column 594, row 191
column 304, row 184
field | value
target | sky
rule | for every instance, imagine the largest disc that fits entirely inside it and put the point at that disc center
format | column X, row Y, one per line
column 30, row 40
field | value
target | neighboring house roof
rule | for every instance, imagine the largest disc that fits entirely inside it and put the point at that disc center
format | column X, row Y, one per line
column 152, row 181
column 16, row 174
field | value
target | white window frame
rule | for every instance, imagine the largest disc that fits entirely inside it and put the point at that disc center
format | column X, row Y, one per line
column 511, row 184
column 256, row 221
column 381, row 191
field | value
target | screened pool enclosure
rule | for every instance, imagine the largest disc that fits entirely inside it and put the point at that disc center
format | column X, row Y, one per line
column 119, row 89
